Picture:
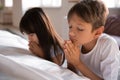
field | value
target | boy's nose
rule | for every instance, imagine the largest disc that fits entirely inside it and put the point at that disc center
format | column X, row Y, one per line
column 71, row 34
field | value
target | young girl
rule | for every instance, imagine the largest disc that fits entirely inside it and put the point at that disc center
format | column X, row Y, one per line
column 43, row 39
column 89, row 50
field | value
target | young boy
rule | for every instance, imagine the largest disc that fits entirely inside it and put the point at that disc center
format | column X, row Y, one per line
column 89, row 50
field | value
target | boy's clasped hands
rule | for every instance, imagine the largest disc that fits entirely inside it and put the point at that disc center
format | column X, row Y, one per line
column 72, row 53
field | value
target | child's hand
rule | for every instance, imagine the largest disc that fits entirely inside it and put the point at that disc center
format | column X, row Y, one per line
column 72, row 53
column 35, row 49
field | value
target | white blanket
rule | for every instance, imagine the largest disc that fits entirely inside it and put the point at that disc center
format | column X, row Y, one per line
column 17, row 63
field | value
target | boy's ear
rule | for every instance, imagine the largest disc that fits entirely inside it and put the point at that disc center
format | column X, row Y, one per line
column 99, row 31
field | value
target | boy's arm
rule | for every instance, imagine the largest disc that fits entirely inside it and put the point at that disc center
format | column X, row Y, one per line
column 86, row 71
column 71, row 67
column 72, row 54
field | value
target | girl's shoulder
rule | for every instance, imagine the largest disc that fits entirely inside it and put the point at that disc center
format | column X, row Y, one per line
column 56, row 51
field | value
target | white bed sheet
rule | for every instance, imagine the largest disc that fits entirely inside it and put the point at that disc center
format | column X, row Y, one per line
column 17, row 63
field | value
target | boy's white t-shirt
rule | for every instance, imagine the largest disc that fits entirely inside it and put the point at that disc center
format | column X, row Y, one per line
column 103, row 58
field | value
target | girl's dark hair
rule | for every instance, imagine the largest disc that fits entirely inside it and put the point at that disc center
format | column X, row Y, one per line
column 36, row 21
column 91, row 11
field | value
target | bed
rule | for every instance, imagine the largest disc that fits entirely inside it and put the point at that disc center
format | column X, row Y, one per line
column 112, row 27
column 17, row 63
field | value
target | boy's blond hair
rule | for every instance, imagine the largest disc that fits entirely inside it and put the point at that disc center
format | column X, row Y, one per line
column 91, row 11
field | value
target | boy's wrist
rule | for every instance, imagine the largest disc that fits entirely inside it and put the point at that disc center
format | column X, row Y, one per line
column 77, row 64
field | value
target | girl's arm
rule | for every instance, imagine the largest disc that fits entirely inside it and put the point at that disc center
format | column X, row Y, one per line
column 57, row 59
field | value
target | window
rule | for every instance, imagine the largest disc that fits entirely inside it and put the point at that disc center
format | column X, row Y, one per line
column 73, row 0
column 41, row 3
column 112, row 3
column 8, row 3
column 51, row 3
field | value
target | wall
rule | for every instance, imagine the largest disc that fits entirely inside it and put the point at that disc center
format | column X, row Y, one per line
column 56, row 15
column 114, row 11
column 17, row 12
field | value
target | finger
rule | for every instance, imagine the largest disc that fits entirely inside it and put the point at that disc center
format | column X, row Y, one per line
column 72, row 47
column 32, row 44
column 29, row 42
column 36, row 45
column 69, row 49
column 31, row 50
column 29, row 45
column 70, row 44
column 67, row 56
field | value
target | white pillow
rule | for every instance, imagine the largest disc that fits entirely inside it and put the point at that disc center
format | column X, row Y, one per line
column 117, row 38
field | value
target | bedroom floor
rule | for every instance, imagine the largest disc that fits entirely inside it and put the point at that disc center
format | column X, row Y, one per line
column 12, row 29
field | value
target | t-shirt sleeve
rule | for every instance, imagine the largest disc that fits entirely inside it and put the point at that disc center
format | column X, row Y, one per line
column 109, row 60
column 53, row 53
